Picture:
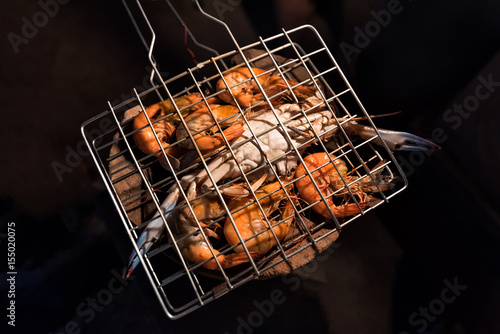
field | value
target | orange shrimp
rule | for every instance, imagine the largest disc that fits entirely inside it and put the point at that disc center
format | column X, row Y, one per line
column 246, row 92
column 163, row 124
column 192, row 243
column 251, row 222
column 201, row 124
column 329, row 181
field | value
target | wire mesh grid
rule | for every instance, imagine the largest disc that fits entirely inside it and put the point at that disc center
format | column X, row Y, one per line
column 208, row 219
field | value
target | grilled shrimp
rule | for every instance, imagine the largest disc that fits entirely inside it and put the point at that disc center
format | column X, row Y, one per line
column 164, row 120
column 192, row 243
column 239, row 83
column 201, row 124
column 251, row 222
column 332, row 179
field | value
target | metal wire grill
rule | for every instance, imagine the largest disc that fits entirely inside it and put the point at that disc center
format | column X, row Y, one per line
column 138, row 182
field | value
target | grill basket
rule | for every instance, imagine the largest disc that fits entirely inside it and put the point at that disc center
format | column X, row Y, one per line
column 138, row 183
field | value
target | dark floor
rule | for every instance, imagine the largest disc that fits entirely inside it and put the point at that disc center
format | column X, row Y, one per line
column 425, row 263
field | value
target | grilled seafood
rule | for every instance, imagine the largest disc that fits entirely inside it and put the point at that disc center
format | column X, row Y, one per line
column 264, row 141
column 331, row 177
column 201, row 124
column 164, row 120
column 193, row 240
column 207, row 208
column 240, row 83
column 192, row 243
column 251, row 223
column 270, row 144
column 180, row 218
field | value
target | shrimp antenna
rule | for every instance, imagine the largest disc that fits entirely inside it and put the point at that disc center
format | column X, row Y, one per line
column 376, row 116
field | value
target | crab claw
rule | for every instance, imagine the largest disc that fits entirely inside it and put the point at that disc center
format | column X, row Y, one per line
column 152, row 232
column 395, row 140
column 146, row 240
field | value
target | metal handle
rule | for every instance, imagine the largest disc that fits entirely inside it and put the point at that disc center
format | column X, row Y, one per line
column 150, row 44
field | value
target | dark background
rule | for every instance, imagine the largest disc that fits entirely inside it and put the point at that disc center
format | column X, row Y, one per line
column 445, row 226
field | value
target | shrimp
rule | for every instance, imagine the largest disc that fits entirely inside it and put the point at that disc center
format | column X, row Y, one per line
column 331, row 179
column 164, row 120
column 239, row 83
column 195, row 248
column 251, row 222
column 201, row 124
column 192, row 244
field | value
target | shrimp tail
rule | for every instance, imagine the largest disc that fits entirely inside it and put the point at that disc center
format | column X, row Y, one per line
column 377, row 182
column 352, row 209
column 235, row 259
column 347, row 210
column 199, row 253
column 234, row 131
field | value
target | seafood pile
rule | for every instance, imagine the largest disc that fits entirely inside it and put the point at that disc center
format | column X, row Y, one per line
column 251, row 167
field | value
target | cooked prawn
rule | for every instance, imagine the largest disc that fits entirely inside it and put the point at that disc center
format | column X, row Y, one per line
column 201, row 124
column 193, row 245
column 164, row 120
column 240, row 83
column 332, row 179
column 251, row 223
